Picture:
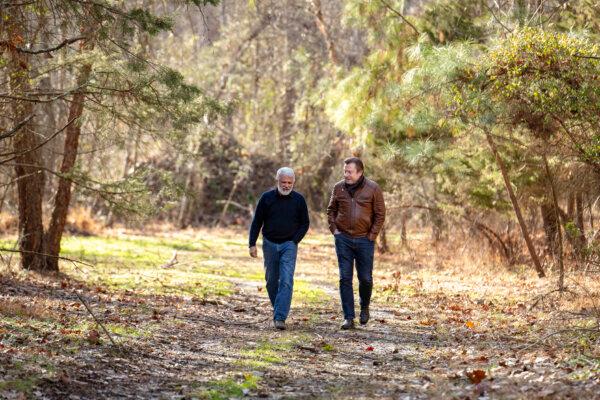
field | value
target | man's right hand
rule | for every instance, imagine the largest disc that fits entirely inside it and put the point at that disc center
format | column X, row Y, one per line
column 336, row 232
column 253, row 252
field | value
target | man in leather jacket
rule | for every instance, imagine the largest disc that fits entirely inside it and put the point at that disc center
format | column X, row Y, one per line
column 356, row 213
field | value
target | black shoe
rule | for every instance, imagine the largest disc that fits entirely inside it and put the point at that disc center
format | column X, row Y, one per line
column 279, row 325
column 364, row 315
column 348, row 324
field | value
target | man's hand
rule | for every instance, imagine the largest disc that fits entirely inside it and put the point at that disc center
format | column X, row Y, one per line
column 253, row 252
column 336, row 232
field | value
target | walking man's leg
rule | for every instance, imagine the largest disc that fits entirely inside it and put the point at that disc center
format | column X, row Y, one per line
column 365, row 252
column 271, row 258
column 287, row 265
column 343, row 249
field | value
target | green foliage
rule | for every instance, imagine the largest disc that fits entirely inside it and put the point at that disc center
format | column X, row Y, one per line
column 446, row 21
column 542, row 76
column 229, row 388
column 422, row 104
column 149, row 22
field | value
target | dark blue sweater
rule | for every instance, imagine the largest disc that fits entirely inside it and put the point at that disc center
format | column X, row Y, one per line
column 281, row 218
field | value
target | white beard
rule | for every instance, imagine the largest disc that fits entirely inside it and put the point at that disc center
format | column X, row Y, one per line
column 284, row 192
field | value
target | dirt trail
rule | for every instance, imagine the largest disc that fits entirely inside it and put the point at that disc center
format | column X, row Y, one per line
column 225, row 347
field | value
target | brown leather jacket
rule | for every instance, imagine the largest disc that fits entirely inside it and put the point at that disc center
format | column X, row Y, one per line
column 361, row 215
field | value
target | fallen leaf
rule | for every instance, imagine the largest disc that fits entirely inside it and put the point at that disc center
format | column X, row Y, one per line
column 93, row 337
column 470, row 324
column 369, row 348
column 475, row 376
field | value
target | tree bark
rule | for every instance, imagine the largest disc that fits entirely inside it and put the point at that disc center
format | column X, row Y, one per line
column 579, row 220
column 403, row 222
column 71, row 148
column 29, row 173
column 516, row 207
column 322, row 26
column 561, row 265
column 326, row 166
column 551, row 225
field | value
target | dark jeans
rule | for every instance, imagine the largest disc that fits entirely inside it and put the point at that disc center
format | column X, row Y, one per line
column 280, row 263
column 349, row 250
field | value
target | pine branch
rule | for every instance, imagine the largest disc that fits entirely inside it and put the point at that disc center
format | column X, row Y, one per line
column 48, row 50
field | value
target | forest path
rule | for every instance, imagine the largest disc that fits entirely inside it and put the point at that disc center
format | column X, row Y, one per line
column 201, row 328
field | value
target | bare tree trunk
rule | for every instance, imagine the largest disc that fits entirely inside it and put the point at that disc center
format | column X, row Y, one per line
column 516, row 207
column 403, row 235
column 4, row 193
column 47, row 121
column 579, row 220
column 551, row 226
column 322, row 174
column 236, row 183
column 591, row 208
column 289, row 101
column 561, row 265
column 71, row 148
column 28, row 164
column 322, row 26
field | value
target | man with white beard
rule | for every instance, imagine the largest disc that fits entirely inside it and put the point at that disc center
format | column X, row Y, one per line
column 282, row 215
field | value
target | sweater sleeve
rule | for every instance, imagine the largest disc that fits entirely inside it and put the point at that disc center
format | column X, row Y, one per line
column 257, row 221
column 304, row 221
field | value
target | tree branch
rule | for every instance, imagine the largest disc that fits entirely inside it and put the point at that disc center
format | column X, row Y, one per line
column 14, row 130
column 497, row 19
column 398, row 13
column 48, row 50
column 15, row 155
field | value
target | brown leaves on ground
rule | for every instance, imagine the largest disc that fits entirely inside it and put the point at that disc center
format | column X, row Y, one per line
column 475, row 376
column 434, row 333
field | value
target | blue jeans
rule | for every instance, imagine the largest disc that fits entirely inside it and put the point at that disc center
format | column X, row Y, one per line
column 350, row 249
column 280, row 262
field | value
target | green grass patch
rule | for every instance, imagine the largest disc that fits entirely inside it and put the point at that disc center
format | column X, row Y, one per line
column 327, row 347
column 306, row 293
column 391, row 295
column 24, row 385
column 127, row 331
column 228, row 388
column 584, row 367
column 135, row 264
column 273, row 352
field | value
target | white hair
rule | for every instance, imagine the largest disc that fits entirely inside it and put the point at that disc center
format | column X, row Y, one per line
column 285, row 171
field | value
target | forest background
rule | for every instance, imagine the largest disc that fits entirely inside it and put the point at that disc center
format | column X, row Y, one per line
column 479, row 119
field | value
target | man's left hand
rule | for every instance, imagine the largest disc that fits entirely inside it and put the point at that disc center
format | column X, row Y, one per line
column 253, row 252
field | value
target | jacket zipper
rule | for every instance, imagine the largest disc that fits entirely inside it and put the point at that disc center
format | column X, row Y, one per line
column 352, row 215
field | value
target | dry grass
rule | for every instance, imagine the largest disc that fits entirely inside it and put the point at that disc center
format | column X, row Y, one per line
column 24, row 308
column 80, row 221
column 8, row 222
